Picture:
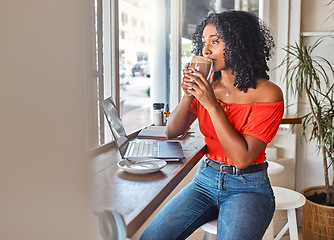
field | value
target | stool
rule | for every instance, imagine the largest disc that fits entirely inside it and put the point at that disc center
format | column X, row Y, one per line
column 209, row 228
column 289, row 200
column 274, row 168
column 286, row 199
column 112, row 225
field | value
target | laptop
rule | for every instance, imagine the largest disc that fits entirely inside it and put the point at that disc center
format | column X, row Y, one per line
column 138, row 149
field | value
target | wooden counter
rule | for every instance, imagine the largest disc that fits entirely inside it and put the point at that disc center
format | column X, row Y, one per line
column 136, row 197
column 287, row 120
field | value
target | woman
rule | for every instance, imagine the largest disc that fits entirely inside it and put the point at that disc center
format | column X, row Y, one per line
column 239, row 112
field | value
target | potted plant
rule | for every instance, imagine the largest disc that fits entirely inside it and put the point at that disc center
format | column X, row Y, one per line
column 309, row 76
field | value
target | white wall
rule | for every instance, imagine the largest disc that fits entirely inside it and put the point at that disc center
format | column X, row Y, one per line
column 314, row 18
column 313, row 15
column 44, row 182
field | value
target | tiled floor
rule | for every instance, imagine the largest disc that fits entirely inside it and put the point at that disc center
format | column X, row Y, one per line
column 198, row 234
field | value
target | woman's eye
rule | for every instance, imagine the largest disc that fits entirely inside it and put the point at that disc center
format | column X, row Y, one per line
column 214, row 41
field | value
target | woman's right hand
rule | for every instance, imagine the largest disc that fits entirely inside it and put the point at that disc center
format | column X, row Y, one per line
column 181, row 118
column 186, row 80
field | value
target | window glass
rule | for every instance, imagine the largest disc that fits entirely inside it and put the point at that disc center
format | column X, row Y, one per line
column 248, row 5
column 143, row 48
column 141, row 53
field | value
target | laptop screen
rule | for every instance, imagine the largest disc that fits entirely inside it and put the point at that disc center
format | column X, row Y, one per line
column 115, row 125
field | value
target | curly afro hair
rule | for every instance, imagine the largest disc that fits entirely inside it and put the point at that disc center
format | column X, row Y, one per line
column 248, row 45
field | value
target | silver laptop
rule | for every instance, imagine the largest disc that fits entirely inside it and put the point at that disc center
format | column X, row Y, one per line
column 139, row 149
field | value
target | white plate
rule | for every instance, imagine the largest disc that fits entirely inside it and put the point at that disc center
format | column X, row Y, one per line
column 144, row 167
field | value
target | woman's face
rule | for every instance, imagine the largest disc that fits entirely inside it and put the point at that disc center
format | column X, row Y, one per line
column 213, row 47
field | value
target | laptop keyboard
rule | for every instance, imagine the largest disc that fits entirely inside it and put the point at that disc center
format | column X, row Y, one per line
column 142, row 149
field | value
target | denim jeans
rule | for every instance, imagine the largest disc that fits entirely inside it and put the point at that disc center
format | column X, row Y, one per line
column 243, row 203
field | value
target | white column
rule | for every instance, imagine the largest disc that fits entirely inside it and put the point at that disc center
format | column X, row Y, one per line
column 158, row 53
column 264, row 11
column 176, row 37
column 294, row 35
column 282, row 41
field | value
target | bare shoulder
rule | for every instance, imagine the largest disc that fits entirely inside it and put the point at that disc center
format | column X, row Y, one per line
column 267, row 91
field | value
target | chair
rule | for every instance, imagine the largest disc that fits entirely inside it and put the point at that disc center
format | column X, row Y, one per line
column 209, row 228
column 286, row 199
column 112, row 225
column 289, row 200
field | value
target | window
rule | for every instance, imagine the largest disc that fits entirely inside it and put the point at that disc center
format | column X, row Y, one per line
column 124, row 18
column 141, row 64
column 122, row 34
column 132, row 67
column 134, row 22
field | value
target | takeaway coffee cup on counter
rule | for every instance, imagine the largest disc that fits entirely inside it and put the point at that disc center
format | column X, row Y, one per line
column 202, row 64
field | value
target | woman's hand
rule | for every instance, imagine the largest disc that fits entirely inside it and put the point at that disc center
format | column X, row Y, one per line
column 181, row 118
column 199, row 87
column 186, row 80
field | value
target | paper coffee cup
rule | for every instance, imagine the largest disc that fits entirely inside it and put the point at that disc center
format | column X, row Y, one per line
column 202, row 64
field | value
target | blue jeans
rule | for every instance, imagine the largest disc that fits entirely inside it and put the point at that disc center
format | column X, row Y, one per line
column 243, row 203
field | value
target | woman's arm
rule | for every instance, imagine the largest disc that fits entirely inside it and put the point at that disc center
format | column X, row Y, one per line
column 242, row 149
column 180, row 119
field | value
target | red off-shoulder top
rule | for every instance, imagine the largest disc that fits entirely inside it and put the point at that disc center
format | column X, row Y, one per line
column 259, row 119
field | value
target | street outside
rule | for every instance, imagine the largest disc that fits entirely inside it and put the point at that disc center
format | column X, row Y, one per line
column 137, row 107
column 135, row 93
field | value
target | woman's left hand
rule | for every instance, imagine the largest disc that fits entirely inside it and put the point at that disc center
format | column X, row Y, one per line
column 201, row 88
